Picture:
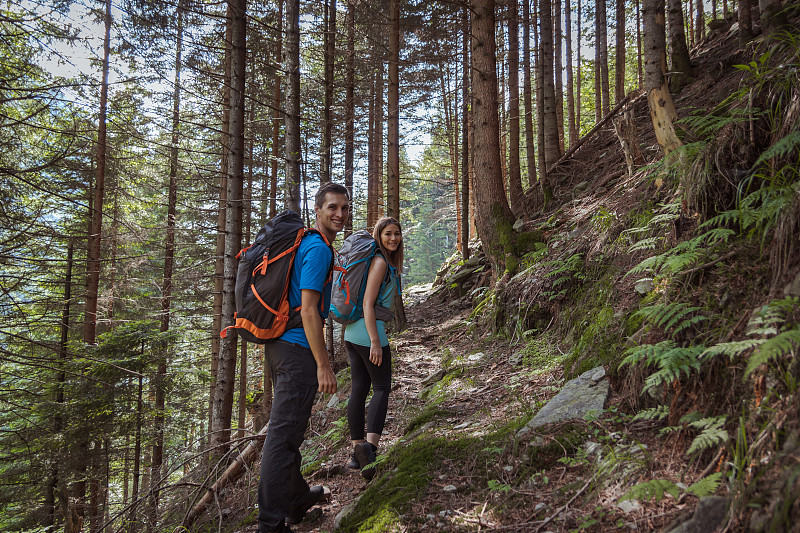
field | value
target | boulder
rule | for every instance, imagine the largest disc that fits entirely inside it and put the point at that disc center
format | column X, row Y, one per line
column 709, row 515
column 579, row 397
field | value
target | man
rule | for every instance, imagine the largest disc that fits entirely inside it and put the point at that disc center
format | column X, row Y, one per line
column 299, row 365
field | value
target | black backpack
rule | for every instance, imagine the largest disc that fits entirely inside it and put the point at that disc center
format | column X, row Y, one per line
column 263, row 312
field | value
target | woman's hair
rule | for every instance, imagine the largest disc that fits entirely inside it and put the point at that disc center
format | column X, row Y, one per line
column 394, row 258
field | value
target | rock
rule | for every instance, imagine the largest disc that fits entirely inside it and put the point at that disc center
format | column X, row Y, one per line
column 462, row 426
column 539, row 507
column 346, row 511
column 581, row 186
column 434, row 378
column 333, row 401
column 717, row 24
column 793, row 288
column 476, row 356
column 600, row 191
column 709, row 514
column 516, row 358
column 628, row 506
column 585, row 394
column 508, row 468
column 519, row 225
column 450, row 489
column 643, row 286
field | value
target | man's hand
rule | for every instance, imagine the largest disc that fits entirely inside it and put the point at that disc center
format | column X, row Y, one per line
column 326, row 379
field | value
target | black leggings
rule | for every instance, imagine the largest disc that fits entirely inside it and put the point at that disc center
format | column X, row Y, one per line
column 366, row 373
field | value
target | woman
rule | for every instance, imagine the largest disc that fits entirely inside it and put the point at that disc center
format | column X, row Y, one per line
column 368, row 347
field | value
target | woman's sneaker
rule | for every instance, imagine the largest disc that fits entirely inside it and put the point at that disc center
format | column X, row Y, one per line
column 365, row 454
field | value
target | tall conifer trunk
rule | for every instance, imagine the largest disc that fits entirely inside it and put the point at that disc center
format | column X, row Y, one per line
column 327, row 121
column 527, row 90
column 465, row 152
column 291, row 62
column 493, row 215
column 393, row 119
column 619, row 78
column 514, row 173
column 662, row 110
column 226, row 374
column 349, row 109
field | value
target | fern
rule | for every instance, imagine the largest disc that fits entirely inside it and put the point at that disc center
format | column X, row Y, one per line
column 731, row 349
column 675, row 316
column 773, row 348
column 671, row 360
column 706, row 486
column 656, row 413
column 655, row 488
column 712, row 433
column 780, row 148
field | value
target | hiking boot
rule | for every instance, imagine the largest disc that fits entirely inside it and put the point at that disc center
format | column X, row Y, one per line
column 365, row 454
column 312, row 497
column 353, row 464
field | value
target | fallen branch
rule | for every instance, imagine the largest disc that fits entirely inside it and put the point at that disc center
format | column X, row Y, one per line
column 561, row 510
column 594, row 130
column 230, row 475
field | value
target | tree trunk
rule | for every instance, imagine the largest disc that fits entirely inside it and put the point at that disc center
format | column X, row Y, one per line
column 745, row 22
column 276, row 119
column 527, row 94
column 639, row 69
column 226, row 374
column 291, row 61
column 493, row 215
column 557, row 70
column 514, row 173
column 166, row 285
column 219, row 263
column 625, row 128
column 772, row 15
column 327, row 122
column 550, row 125
column 619, row 74
column 700, row 22
column 539, row 83
column 451, row 132
column 681, row 65
column 349, row 109
column 662, row 110
column 137, row 452
column 573, row 130
column 381, row 204
column 393, row 119
column 372, row 157
column 579, row 80
column 465, row 193
column 602, row 51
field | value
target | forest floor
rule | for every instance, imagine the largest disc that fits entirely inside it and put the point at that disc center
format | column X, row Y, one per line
column 564, row 486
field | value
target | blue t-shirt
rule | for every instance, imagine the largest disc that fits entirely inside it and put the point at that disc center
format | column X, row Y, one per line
column 310, row 271
column 356, row 333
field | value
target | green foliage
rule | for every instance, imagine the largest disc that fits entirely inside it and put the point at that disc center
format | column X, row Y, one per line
column 670, row 359
column 564, row 271
column 672, row 317
column 654, row 413
column 712, row 433
column 657, row 488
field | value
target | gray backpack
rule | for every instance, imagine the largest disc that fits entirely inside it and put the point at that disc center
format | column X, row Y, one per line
column 350, row 282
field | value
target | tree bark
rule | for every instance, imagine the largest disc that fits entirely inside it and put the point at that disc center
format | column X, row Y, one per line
column 745, row 22
column 291, row 61
column 681, row 65
column 226, row 374
column 514, row 173
column 579, row 80
column 465, row 152
column 493, row 215
column 662, row 110
column 527, row 94
column 551, row 144
column 327, row 122
column 572, row 127
column 619, row 73
column 276, row 119
column 602, row 55
column 372, row 157
column 557, row 71
column 219, row 262
column 166, row 285
column 349, row 109
column 393, row 118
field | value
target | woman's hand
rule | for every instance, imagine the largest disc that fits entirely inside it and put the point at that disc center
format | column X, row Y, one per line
column 376, row 353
